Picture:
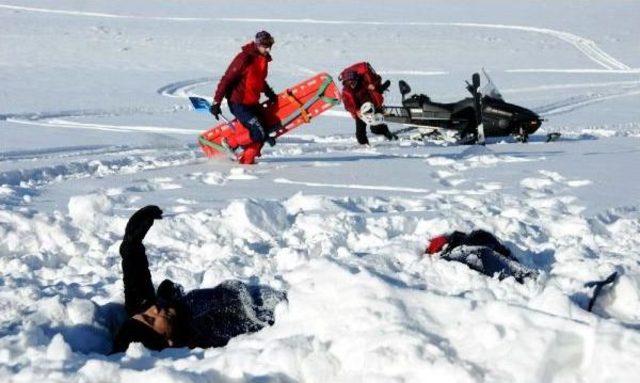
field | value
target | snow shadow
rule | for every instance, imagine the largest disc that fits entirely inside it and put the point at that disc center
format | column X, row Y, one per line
column 95, row 337
column 542, row 260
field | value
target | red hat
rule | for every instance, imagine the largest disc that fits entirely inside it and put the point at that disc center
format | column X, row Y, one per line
column 436, row 244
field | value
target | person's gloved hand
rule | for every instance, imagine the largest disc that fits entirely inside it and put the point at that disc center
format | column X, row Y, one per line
column 271, row 95
column 215, row 110
column 384, row 86
column 140, row 223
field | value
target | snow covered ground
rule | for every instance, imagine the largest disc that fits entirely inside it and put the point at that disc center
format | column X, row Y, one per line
column 94, row 124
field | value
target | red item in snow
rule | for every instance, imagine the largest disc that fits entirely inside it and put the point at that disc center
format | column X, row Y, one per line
column 436, row 244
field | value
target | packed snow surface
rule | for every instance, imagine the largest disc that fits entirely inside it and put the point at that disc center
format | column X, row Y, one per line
column 94, row 123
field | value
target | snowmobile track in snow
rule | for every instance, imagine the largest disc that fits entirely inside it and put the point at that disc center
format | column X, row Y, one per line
column 107, row 127
column 575, row 102
column 181, row 88
column 586, row 46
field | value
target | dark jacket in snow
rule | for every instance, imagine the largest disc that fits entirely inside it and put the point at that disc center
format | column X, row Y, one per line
column 483, row 252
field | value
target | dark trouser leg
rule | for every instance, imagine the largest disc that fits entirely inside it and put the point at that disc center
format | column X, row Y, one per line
column 361, row 132
column 249, row 117
column 489, row 262
column 496, row 263
column 383, row 130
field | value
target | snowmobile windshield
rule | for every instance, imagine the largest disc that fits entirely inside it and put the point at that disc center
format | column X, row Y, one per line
column 490, row 89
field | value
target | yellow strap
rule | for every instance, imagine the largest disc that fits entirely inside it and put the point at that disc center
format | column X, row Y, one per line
column 303, row 113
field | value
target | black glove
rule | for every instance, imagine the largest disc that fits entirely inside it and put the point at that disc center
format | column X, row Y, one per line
column 271, row 95
column 215, row 110
column 384, row 86
column 140, row 223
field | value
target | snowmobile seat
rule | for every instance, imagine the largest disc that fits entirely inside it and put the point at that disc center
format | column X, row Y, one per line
column 457, row 106
column 416, row 101
column 423, row 101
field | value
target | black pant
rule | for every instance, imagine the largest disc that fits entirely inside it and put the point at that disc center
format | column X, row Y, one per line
column 490, row 262
column 250, row 117
column 361, row 131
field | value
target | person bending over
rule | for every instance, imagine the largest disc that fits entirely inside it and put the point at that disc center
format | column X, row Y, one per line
column 361, row 84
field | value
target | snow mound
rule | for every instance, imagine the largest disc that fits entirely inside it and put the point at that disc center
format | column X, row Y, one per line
column 264, row 219
column 84, row 209
column 363, row 303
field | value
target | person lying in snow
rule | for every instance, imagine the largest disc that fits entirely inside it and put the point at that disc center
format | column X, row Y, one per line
column 481, row 251
column 170, row 318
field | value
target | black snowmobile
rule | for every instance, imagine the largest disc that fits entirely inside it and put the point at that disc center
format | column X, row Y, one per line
column 485, row 114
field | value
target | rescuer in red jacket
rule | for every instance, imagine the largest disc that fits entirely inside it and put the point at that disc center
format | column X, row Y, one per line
column 243, row 82
column 362, row 84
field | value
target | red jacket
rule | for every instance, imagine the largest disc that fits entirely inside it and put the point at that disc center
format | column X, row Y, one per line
column 245, row 78
column 354, row 98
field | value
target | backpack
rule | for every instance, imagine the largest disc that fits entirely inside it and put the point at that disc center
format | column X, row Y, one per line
column 366, row 72
column 369, row 77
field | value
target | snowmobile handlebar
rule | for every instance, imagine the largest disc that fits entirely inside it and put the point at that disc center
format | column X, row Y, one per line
column 475, row 84
column 470, row 88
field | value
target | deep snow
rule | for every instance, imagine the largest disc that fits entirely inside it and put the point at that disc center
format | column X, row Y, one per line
column 94, row 124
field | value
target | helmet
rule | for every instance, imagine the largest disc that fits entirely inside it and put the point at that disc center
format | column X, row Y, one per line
column 369, row 116
column 264, row 38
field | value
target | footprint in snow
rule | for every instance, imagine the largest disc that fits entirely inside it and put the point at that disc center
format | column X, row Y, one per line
column 162, row 183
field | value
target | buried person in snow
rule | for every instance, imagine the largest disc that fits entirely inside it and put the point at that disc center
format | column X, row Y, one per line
column 481, row 251
column 169, row 317
column 361, row 85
